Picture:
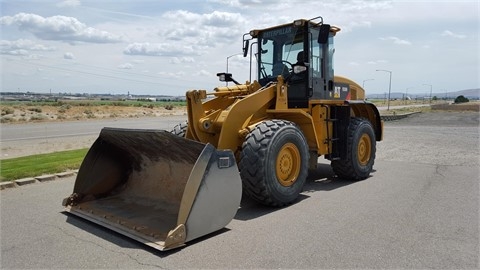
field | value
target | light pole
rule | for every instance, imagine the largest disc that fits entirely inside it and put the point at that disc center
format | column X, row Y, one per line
column 363, row 84
column 430, row 91
column 228, row 57
column 389, row 87
column 406, row 94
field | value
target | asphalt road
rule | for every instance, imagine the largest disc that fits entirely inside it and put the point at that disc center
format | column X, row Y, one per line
column 46, row 130
column 419, row 209
column 37, row 138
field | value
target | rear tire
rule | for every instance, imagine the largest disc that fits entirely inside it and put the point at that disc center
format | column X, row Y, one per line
column 361, row 148
column 274, row 163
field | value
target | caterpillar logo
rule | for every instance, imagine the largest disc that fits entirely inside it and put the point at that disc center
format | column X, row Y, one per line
column 277, row 32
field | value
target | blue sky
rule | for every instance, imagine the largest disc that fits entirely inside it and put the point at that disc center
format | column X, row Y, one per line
column 168, row 47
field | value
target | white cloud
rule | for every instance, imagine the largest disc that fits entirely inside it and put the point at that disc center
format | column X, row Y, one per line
column 241, row 3
column 125, row 66
column 15, row 52
column 396, row 40
column 203, row 73
column 222, row 19
column 22, row 47
column 69, row 3
column 68, row 55
column 448, row 33
column 209, row 29
column 33, row 57
column 25, row 44
column 61, row 28
column 158, row 49
column 180, row 60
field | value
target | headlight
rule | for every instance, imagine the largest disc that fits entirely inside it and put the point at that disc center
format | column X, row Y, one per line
column 224, row 77
column 297, row 23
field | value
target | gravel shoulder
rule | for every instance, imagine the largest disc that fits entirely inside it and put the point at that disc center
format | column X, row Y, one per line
column 428, row 138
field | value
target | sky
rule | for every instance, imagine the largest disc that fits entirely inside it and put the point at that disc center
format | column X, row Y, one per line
column 159, row 47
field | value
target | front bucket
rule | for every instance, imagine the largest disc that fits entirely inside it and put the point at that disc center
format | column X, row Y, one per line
column 155, row 187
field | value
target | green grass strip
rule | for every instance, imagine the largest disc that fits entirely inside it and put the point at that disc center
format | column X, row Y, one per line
column 35, row 165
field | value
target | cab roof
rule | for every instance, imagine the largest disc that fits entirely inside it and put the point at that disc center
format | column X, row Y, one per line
column 300, row 22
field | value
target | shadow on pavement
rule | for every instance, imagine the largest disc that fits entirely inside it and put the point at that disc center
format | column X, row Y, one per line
column 321, row 179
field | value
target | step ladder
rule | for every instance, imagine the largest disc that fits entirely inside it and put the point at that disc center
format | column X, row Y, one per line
column 339, row 116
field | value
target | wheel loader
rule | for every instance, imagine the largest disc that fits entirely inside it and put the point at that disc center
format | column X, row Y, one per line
column 165, row 188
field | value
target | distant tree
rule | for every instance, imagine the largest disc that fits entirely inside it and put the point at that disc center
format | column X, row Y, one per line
column 461, row 99
column 434, row 98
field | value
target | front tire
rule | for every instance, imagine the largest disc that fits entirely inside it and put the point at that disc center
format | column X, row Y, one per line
column 180, row 129
column 274, row 163
column 361, row 148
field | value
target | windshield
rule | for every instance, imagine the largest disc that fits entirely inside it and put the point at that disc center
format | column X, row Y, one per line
column 278, row 51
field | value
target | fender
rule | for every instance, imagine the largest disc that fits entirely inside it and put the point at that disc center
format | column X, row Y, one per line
column 365, row 109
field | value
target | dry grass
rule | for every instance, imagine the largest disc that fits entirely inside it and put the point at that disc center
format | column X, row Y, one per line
column 424, row 106
column 16, row 112
column 469, row 106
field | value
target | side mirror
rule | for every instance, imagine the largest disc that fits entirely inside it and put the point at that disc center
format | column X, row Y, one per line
column 245, row 47
column 324, row 33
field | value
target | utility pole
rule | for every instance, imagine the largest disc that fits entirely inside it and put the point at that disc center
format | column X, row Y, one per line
column 389, row 87
column 430, row 91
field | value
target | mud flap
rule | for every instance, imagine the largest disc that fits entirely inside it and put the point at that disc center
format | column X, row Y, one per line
column 155, row 187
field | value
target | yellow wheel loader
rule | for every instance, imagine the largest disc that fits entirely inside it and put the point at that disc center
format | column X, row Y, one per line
column 164, row 188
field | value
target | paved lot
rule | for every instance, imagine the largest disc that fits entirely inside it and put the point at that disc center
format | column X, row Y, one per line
column 420, row 209
column 18, row 140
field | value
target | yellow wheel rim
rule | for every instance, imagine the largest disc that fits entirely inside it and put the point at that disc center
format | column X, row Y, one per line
column 288, row 164
column 364, row 150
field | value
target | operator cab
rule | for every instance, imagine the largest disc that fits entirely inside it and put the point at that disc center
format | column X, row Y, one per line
column 302, row 53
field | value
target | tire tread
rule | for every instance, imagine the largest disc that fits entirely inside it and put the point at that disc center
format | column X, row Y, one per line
column 254, row 152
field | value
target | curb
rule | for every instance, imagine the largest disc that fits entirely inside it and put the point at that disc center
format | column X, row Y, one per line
column 25, row 181
column 37, row 179
column 394, row 117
